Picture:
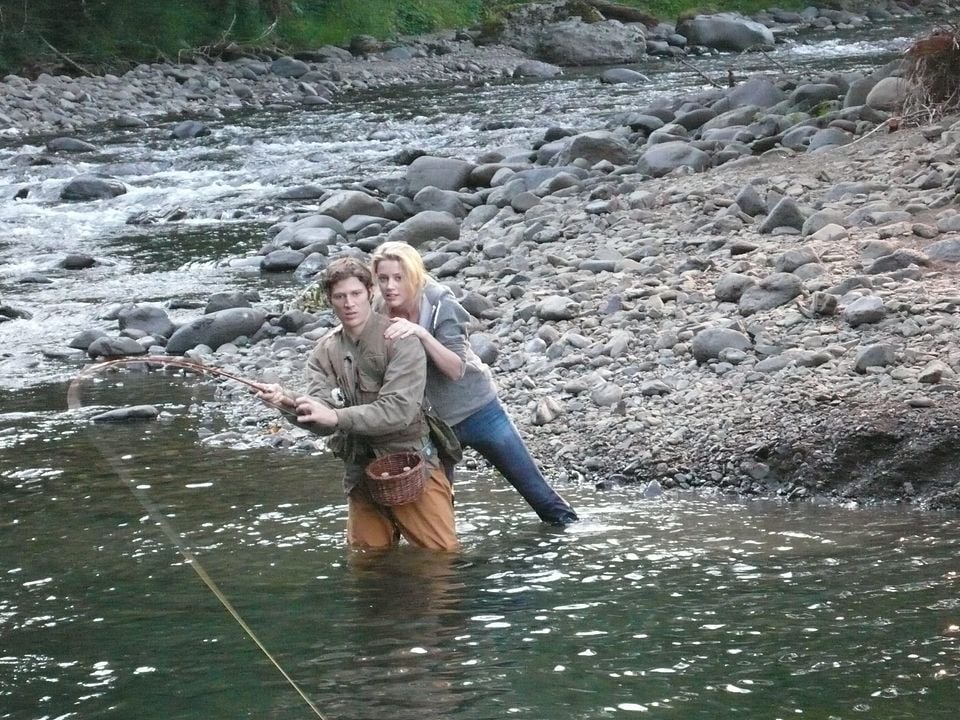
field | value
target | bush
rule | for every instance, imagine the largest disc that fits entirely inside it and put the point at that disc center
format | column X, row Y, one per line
column 933, row 69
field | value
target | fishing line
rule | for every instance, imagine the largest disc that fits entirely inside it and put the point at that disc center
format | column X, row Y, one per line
column 74, row 403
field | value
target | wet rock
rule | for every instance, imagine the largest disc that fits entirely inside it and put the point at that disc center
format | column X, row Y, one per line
column 91, row 187
column 215, row 329
column 70, row 145
column 115, row 347
column 78, row 261
column 150, row 319
column 127, row 414
column 189, row 129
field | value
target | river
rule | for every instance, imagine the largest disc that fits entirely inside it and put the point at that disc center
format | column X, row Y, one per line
column 684, row 606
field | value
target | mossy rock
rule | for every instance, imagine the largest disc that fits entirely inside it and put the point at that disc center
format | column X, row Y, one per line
column 584, row 10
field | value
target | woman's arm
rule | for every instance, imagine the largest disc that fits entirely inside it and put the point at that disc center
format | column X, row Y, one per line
column 447, row 361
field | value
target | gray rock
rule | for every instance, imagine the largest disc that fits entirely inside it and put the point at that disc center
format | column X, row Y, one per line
column 83, row 340
column 216, row 329
column 346, row 203
column 889, row 94
column 868, row 309
column 283, row 260
column 594, row 147
column 935, row 371
column 785, row 213
column 606, row 395
column 725, row 31
column 289, row 235
column 710, row 342
column 946, row 250
column 820, row 220
column 537, row 69
column 615, row 76
column 92, row 187
column 795, row 258
column 609, row 42
column 224, row 301
column 876, row 355
column 69, row 144
column 548, row 409
column 288, row 67
column 189, row 129
column 151, row 319
column 557, row 307
column 828, row 138
column 115, row 347
column 425, row 226
column 443, row 173
column 666, row 157
column 731, row 286
column 773, row 291
column 126, row 414
column 757, row 92
column 749, row 200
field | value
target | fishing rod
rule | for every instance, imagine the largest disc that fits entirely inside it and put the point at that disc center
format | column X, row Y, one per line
column 74, row 403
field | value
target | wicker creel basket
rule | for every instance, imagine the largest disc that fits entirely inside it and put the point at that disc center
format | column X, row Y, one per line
column 395, row 479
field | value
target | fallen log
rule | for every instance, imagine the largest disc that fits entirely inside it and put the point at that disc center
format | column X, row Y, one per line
column 613, row 11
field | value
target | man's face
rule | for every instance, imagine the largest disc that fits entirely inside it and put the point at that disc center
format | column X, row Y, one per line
column 351, row 303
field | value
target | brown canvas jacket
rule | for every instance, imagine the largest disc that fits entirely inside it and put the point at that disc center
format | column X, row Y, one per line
column 376, row 388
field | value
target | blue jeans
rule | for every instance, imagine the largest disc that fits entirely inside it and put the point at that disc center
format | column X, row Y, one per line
column 491, row 432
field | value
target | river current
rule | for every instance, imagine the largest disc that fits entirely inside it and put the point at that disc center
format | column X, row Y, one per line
column 683, row 606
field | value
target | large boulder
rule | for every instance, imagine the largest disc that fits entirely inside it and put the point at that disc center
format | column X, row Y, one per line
column 425, row 226
column 665, row 157
column 438, row 172
column 347, row 203
column 759, row 92
column 216, row 329
column 889, row 94
column 574, row 42
column 151, row 319
column 595, row 146
column 725, row 31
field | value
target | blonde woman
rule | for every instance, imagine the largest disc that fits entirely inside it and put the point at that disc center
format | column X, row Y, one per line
column 460, row 387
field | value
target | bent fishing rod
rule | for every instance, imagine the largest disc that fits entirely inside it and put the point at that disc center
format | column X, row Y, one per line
column 74, row 403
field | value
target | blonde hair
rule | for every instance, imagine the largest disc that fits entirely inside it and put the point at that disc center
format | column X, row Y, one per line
column 414, row 272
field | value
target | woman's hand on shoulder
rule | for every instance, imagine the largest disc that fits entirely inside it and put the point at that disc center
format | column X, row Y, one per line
column 401, row 328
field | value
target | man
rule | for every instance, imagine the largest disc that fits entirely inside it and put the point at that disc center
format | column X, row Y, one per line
column 366, row 392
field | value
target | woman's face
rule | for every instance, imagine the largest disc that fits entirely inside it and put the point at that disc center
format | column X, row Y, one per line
column 393, row 284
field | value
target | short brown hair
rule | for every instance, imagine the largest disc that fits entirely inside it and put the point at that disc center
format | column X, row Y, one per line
column 342, row 269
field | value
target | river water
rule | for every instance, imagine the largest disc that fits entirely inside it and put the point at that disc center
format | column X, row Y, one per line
column 685, row 606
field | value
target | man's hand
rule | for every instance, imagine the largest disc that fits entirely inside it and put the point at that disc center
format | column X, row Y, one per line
column 274, row 394
column 311, row 411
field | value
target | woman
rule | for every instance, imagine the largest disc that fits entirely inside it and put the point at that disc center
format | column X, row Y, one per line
column 460, row 388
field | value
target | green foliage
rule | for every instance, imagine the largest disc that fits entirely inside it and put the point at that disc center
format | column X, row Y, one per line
column 112, row 33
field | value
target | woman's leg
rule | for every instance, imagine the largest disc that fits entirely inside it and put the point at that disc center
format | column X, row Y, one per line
column 491, row 432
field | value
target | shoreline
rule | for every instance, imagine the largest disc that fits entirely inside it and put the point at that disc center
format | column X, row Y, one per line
column 611, row 304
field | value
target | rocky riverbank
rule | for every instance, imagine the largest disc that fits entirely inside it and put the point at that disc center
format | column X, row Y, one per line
column 751, row 288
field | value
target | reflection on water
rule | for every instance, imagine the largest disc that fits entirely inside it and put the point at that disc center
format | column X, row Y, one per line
column 686, row 606
column 691, row 606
